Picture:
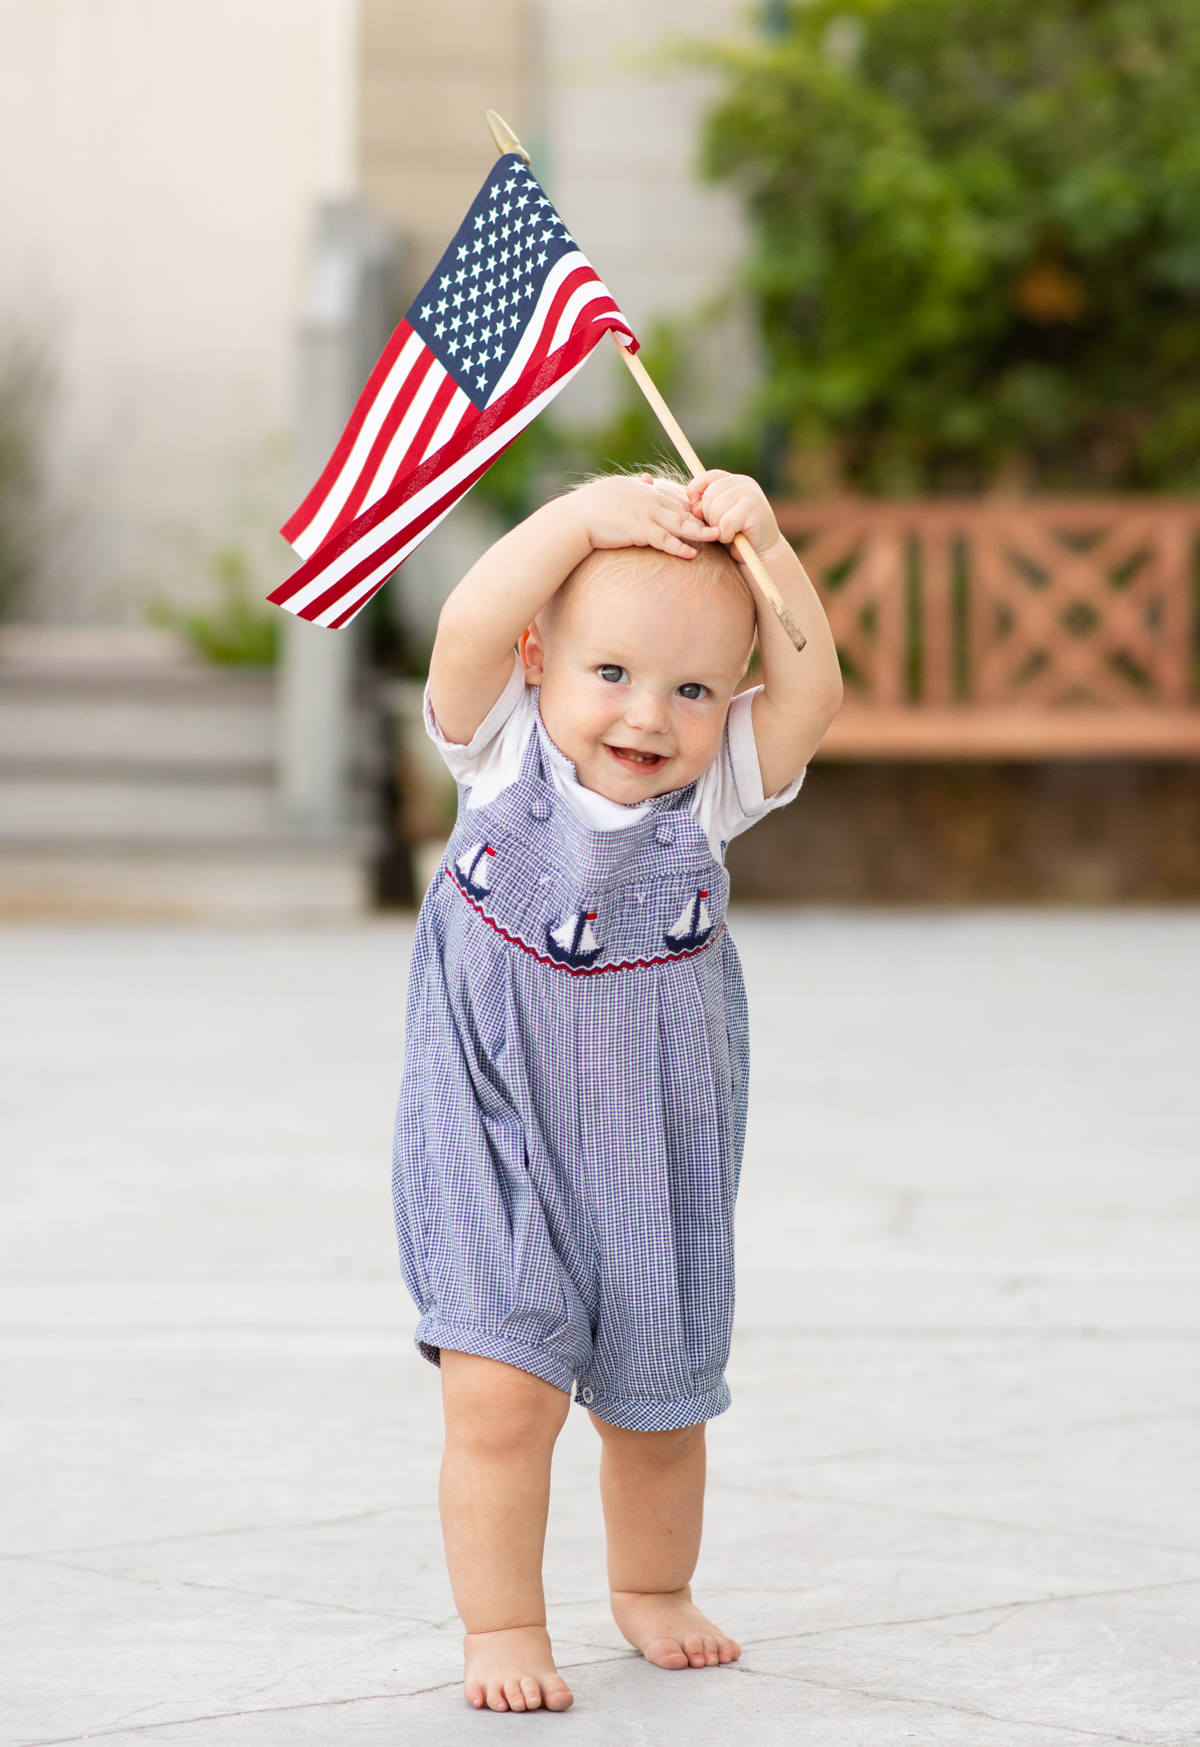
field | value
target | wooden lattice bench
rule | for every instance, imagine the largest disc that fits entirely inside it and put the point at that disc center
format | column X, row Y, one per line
column 1050, row 628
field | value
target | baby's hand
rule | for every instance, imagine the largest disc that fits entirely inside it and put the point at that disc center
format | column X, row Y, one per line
column 734, row 504
column 624, row 511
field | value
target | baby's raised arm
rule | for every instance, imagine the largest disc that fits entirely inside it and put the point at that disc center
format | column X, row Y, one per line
column 801, row 691
column 501, row 594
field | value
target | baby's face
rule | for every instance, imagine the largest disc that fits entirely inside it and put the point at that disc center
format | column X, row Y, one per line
column 636, row 681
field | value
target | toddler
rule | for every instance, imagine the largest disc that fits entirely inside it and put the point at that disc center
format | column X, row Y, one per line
column 574, row 1093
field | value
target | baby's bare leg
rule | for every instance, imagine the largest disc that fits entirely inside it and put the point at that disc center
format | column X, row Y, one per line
column 652, row 1484
column 501, row 1426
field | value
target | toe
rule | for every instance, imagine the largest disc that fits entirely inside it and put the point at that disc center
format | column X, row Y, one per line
column 666, row 1653
column 531, row 1692
column 514, row 1695
column 694, row 1647
column 557, row 1695
column 729, row 1649
column 710, row 1652
column 496, row 1699
column 475, row 1693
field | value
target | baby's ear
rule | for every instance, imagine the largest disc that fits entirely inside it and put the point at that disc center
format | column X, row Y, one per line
column 532, row 651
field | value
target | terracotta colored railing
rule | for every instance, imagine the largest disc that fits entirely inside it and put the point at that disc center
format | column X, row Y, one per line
column 1001, row 629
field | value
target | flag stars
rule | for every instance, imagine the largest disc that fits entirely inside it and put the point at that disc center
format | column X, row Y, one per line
column 426, row 311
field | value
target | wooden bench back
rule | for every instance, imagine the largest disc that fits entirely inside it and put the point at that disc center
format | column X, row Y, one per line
column 1041, row 602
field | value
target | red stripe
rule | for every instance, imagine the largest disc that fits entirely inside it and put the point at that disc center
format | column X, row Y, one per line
column 572, row 282
column 387, row 430
column 426, row 519
column 415, row 453
column 296, row 524
column 477, row 424
column 599, row 970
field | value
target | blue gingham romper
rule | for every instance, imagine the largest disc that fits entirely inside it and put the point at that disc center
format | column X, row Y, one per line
column 573, row 1103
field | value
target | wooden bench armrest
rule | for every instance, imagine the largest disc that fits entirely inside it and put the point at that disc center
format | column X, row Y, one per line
column 988, row 732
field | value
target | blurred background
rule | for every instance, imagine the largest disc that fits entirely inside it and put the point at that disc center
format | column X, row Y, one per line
column 930, row 269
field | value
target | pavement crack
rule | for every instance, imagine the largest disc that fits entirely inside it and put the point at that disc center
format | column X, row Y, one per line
column 966, row 1613
column 299, row 1525
column 164, row 1583
column 328, row 1704
column 1068, row 1729
column 979, row 1522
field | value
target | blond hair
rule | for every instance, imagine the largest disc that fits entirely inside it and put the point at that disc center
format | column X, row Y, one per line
column 712, row 568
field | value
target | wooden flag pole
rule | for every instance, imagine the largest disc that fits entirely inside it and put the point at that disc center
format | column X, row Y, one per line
column 741, row 544
column 507, row 141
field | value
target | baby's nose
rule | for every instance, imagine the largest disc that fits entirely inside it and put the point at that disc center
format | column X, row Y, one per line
column 648, row 711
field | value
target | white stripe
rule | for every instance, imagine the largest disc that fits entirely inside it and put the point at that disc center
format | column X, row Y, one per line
column 406, row 430
column 451, row 419
column 362, row 590
column 578, row 300
column 537, row 321
column 307, row 541
column 431, row 494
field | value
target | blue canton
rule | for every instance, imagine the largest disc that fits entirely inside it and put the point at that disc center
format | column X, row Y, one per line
column 474, row 307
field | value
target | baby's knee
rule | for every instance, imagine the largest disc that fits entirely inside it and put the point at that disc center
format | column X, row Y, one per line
column 498, row 1407
column 651, row 1449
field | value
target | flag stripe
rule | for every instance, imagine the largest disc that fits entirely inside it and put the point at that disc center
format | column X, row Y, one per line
column 451, row 419
column 418, row 448
column 519, row 361
column 354, row 556
column 377, row 431
column 381, row 536
column 394, row 441
column 403, row 351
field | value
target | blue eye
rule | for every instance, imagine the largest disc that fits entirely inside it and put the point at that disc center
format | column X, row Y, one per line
column 614, row 675
column 693, row 691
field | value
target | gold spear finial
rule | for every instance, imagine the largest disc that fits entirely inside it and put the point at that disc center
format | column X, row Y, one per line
column 506, row 140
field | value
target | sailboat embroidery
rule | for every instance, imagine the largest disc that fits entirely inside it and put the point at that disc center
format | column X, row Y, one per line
column 572, row 943
column 474, row 871
column 692, row 927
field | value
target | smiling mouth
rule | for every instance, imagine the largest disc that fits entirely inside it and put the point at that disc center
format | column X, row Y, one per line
column 639, row 760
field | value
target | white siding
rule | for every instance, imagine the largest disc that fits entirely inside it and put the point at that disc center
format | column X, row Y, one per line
column 158, row 160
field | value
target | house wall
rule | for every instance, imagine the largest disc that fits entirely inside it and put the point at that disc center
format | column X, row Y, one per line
column 158, row 162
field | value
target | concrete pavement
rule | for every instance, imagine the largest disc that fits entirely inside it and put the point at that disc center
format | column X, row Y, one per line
column 954, row 1501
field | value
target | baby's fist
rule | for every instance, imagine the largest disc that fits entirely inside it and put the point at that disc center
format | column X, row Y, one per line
column 733, row 504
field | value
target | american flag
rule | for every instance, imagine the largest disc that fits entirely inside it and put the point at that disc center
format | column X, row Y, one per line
column 502, row 324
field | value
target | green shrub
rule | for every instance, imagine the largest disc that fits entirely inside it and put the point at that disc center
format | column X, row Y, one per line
column 977, row 239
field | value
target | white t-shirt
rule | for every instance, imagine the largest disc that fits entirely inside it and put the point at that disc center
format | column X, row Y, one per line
column 728, row 797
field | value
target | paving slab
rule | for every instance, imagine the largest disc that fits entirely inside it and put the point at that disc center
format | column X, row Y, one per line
column 954, row 1501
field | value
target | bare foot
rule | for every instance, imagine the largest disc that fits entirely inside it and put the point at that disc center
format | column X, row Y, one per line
column 513, row 1671
column 670, row 1630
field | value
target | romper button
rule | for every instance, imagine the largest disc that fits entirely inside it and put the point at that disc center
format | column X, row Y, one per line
column 539, row 809
column 664, row 834
column 585, row 1395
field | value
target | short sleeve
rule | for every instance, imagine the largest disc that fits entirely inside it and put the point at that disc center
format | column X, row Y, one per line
column 729, row 798
column 492, row 758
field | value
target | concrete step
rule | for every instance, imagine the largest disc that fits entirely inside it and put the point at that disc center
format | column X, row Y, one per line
column 134, row 781
column 211, row 728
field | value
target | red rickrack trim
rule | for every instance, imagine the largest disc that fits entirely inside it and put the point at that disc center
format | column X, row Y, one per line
column 633, row 964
